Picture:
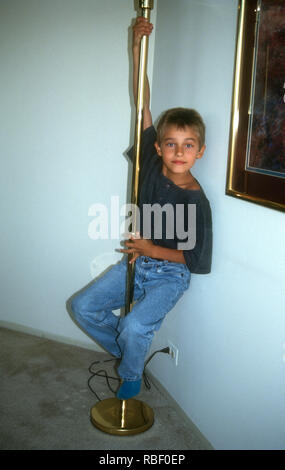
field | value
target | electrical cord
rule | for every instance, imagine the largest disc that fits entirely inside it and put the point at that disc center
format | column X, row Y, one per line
column 103, row 373
column 99, row 374
column 145, row 377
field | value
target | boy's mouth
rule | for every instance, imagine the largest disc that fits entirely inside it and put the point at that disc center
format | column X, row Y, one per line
column 178, row 162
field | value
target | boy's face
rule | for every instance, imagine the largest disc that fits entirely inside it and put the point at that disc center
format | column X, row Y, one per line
column 179, row 150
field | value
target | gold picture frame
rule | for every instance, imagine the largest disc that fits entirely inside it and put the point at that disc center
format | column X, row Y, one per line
column 256, row 159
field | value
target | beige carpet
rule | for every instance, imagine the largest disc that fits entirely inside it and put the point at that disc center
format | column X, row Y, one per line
column 45, row 401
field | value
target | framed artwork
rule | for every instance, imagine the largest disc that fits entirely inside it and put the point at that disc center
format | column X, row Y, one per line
column 256, row 161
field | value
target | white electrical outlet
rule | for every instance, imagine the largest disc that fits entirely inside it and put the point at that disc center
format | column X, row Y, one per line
column 173, row 352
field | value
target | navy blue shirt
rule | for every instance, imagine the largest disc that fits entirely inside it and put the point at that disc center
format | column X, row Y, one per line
column 155, row 188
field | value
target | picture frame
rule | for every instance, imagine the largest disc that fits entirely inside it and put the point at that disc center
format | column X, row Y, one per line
column 256, row 157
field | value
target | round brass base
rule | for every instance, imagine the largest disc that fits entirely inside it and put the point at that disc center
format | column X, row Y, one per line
column 122, row 417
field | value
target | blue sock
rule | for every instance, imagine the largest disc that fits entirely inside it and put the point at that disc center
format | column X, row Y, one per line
column 129, row 389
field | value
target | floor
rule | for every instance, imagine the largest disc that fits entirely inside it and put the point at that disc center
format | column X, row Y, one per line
column 45, row 401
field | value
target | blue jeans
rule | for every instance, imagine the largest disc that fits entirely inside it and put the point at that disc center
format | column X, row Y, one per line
column 158, row 285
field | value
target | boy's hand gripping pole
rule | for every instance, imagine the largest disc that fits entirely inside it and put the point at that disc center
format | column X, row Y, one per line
column 146, row 6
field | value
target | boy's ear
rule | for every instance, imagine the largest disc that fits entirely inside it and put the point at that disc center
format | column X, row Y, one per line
column 158, row 149
column 201, row 152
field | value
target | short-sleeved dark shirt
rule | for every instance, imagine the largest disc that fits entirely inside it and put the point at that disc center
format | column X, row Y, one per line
column 155, row 188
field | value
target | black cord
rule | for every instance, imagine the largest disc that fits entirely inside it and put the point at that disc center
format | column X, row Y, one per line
column 98, row 373
column 103, row 373
column 145, row 377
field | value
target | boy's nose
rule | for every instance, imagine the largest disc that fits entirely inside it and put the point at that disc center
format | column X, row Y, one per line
column 179, row 150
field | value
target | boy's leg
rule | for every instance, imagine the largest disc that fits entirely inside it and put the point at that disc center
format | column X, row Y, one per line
column 93, row 307
column 162, row 290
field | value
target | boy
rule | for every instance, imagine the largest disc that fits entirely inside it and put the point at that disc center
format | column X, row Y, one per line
column 162, row 272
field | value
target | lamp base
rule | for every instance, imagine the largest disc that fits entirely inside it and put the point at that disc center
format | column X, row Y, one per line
column 122, row 417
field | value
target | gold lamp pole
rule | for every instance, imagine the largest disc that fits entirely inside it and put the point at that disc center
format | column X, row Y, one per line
column 146, row 6
column 114, row 416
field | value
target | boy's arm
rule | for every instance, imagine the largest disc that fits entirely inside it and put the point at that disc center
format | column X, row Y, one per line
column 141, row 27
column 143, row 247
column 170, row 254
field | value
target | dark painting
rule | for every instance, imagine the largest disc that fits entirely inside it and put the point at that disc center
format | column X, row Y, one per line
column 266, row 133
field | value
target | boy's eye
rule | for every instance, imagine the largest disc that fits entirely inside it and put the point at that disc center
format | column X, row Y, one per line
column 172, row 145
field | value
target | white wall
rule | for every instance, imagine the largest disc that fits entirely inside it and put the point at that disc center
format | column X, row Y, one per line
column 64, row 122
column 230, row 326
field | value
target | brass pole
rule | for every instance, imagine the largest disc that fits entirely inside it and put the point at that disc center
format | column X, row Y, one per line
column 146, row 6
column 114, row 416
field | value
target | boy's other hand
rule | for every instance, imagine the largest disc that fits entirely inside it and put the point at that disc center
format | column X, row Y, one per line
column 142, row 27
column 138, row 247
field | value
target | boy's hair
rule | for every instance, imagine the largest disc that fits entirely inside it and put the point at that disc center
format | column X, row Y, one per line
column 181, row 117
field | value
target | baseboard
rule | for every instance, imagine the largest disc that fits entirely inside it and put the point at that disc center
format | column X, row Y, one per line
column 206, row 444
column 43, row 334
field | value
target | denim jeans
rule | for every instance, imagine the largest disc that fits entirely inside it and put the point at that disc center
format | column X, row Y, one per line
column 158, row 285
